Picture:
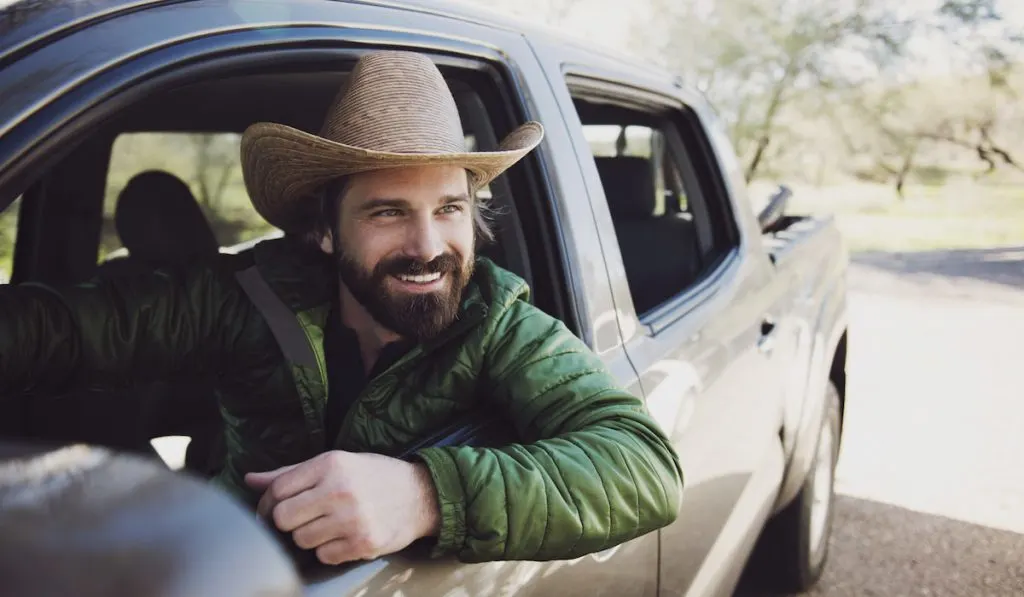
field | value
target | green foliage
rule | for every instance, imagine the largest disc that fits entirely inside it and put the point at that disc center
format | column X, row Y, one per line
column 931, row 175
column 947, row 216
column 8, row 229
column 970, row 11
column 817, row 91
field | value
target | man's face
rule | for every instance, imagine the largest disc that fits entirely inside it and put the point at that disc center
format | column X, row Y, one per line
column 405, row 246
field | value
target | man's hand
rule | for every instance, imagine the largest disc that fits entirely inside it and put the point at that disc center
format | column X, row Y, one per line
column 350, row 506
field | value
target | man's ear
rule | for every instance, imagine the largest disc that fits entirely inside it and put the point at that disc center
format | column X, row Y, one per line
column 327, row 242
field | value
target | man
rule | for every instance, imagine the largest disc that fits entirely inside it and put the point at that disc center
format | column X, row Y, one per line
column 334, row 360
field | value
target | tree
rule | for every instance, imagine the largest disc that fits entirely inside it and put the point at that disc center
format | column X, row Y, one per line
column 992, row 47
column 817, row 90
column 216, row 159
column 922, row 125
column 753, row 59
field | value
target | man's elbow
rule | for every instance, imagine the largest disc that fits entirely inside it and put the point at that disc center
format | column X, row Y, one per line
column 669, row 511
column 665, row 485
column 665, row 511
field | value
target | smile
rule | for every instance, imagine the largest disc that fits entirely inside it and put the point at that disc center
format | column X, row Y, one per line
column 422, row 283
column 421, row 279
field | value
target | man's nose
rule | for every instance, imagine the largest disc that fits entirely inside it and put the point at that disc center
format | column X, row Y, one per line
column 424, row 241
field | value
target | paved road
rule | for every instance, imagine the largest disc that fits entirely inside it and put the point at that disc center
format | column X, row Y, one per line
column 932, row 468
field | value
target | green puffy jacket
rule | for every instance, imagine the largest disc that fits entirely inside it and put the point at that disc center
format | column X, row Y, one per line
column 593, row 470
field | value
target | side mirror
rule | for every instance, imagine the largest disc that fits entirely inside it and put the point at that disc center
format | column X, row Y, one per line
column 87, row 522
column 775, row 209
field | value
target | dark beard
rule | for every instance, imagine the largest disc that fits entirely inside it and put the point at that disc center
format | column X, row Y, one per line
column 416, row 316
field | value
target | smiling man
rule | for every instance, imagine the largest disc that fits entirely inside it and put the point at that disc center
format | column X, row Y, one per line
column 371, row 326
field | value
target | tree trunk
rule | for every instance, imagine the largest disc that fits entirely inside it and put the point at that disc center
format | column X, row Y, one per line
column 991, row 148
column 762, row 145
column 202, row 145
column 908, row 164
column 985, row 157
column 222, row 185
column 769, row 118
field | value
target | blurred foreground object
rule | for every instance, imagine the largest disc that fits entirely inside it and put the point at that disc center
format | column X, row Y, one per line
column 84, row 521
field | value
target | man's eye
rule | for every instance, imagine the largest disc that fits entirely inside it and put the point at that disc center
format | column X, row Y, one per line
column 451, row 208
column 387, row 213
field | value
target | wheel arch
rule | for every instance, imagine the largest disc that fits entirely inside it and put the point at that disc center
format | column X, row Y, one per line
column 837, row 375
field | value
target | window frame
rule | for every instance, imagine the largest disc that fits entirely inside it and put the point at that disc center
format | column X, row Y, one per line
column 584, row 83
column 48, row 134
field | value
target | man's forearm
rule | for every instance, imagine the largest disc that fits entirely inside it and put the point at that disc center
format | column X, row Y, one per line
column 557, row 498
column 140, row 327
column 596, row 470
column 39, row 344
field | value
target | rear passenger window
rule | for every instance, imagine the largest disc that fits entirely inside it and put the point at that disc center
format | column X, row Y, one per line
column 610, row 144
column 664, row 215
column 8, row 236
column 158, row 186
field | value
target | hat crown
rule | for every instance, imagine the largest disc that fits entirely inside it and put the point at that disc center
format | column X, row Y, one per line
column 395, row 102
column 395, row 110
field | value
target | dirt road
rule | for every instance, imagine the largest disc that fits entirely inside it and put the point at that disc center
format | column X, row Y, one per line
column 932, row 467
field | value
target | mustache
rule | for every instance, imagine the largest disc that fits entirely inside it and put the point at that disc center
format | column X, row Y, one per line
column 446, row 263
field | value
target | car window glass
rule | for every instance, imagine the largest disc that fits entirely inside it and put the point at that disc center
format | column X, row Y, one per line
column 608, row 141
column 647, row 188
column 8, row 236
column 208, row 164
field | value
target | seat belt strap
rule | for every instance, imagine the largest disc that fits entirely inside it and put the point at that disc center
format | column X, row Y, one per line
column 283, row 324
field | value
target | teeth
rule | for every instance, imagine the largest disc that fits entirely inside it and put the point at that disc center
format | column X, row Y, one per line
column 423, row 279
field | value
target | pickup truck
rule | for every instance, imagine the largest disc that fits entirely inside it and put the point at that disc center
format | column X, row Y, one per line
column 631, row 223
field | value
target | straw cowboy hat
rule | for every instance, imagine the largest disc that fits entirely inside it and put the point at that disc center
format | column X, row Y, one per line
column 394, row 110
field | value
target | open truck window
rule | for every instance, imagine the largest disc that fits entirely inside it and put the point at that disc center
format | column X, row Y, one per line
column 185, row 135
column 8, row 238
column 661, row 209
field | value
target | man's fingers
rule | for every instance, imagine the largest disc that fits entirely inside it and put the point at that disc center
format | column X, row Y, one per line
column 266, row 505
column 293, row 480
column 339, row 551
column 296, row 511
column 262, row 480
column 318, row 532
column 296, row 480
column 291, row 483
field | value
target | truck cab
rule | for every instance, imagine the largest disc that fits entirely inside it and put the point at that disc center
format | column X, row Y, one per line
column 630, row 223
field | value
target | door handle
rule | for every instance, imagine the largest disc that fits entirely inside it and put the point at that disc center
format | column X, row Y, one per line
column 766, row 343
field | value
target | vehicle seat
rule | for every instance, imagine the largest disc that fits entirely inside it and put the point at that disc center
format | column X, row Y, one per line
column 660, row 252
column 160, row 223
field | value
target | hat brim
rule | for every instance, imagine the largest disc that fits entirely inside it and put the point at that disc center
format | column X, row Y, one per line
column 281, row 165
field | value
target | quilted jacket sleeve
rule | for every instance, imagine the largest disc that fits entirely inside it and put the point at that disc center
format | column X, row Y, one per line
column 594, row 472
column 137, row 328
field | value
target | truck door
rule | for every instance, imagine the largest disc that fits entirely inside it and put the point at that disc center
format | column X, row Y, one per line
column 698, row 314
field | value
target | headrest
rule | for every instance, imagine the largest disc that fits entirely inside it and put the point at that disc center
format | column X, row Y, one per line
column 628, row 185
column 159, row 220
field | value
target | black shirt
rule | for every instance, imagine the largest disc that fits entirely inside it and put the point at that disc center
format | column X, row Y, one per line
column 346, row 374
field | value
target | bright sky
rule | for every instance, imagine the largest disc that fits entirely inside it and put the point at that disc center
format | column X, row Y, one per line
column 610, row 23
